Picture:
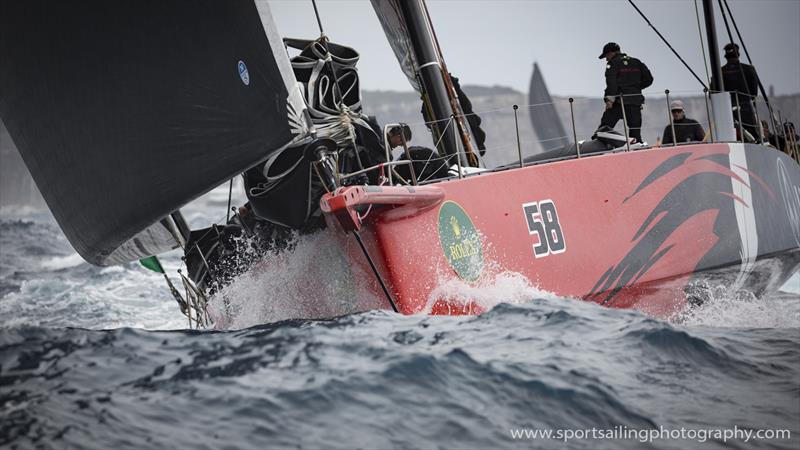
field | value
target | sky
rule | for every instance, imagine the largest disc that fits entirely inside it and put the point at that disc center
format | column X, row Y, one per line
column 496, row 42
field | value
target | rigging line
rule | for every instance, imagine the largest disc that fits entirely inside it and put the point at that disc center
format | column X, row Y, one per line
column 747, row 54
column 702, row 42
column 230, row 193
column 666, row 42
column 341, row 106
column 319, row 21
column 437, row 148
column 375, row 271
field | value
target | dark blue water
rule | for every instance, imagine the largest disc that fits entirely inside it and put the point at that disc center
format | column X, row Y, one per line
column 371, row 379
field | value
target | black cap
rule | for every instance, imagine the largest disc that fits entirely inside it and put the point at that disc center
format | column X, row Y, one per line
column 731, row 51
column 610, row 47
column 405, row 129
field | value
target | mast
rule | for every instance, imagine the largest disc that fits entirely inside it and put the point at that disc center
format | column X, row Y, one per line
column 713, row 47
column 430, row 73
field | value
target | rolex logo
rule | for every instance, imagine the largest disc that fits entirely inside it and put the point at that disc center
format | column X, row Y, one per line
column 460, row 241
column 455, row 226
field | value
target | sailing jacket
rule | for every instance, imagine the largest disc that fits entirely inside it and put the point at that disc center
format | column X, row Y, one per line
column 742, row 79
column 688, row 130
column 627, row 76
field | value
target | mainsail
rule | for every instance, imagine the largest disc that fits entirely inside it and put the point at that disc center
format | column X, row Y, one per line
column 546, row 123
column 124, row 111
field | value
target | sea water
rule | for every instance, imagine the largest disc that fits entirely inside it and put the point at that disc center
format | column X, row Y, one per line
column 100, row 358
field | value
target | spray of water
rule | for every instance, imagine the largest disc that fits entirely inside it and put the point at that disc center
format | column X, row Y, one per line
column 490, row 291
column 314, row 279
column 311, row 279
column 742, row 309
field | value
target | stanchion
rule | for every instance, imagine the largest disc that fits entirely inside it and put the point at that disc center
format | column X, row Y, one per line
column 519, row 146
column 671, row 122
column 574, row 133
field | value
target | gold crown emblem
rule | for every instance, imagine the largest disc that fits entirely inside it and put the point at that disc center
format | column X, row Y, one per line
column 455, row 225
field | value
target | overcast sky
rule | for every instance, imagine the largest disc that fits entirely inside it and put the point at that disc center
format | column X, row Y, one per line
column 496, row 42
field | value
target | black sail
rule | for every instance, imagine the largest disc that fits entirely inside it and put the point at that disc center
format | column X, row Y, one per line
column 124, row 111
column 390, row 15
column 545, row 119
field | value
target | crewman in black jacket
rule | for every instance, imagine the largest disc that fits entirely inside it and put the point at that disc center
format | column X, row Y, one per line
column 473, row 119
column 741, row 81
column 625, row 76
column 687, row 130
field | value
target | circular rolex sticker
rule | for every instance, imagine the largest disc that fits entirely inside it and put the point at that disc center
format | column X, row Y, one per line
column 243, row 73
column 460, row 241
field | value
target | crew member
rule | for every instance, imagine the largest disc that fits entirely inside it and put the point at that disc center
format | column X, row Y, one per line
column 473, row 120
column 428, row 164
column 395, row 136
column 686, row 129
column 625, row 76
column 741, row 81
column 775, row 140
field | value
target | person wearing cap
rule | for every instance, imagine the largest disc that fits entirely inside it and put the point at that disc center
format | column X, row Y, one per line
column 625, row 77
column 741, row 81
column 397, row 135
column 686, row 129
column 427, row 163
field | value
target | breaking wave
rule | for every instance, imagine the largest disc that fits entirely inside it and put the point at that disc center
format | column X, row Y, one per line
column 77, row 369
column 380, row 380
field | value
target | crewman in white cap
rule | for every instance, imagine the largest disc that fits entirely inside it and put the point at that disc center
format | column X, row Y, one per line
column 686, row 129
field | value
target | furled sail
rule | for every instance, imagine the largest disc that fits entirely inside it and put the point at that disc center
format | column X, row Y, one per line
column 286, row 189
column 124, row 111
column 546, row 123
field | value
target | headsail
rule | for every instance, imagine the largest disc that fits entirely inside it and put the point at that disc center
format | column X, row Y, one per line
column 546, row 123
column 124, row 111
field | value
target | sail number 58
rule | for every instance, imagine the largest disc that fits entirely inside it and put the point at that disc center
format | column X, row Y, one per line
column 542, row 219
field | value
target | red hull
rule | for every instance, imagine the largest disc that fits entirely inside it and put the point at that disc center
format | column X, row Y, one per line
column 628, row 230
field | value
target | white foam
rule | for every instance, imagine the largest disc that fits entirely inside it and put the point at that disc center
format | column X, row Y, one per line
column 313, row 280
column 487, row 292
column 131, row 297
column 742, row 309
column 62, row 262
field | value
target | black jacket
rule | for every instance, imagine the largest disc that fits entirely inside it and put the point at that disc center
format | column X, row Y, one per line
column 688, row 130
column 741, row 78
column 627, row 76
column 473, row 119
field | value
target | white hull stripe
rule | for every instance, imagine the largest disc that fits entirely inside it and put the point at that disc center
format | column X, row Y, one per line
column 745, row 213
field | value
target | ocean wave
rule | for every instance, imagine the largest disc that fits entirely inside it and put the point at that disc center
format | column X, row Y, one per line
column 378, row 379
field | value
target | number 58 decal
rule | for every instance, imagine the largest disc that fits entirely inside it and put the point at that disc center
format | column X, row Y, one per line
column 542, row 219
